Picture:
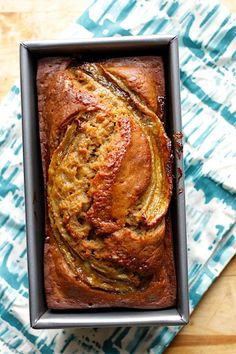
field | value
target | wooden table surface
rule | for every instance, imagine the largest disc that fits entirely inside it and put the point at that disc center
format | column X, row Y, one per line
column 212, row 327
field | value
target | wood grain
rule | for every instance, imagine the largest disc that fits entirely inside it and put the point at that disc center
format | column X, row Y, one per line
column 212, row 328
column 25, row 20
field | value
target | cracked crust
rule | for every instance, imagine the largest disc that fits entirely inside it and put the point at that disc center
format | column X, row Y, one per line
column 108, row 183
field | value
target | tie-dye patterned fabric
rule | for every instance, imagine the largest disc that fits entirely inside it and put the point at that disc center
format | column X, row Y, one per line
column 207, row 36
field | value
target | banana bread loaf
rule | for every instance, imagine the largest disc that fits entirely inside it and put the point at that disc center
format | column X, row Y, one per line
column 107, row 166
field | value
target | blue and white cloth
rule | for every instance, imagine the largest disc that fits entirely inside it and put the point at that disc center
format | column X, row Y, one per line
column 207, row 37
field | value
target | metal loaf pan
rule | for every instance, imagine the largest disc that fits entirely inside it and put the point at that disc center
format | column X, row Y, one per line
column 40, row 315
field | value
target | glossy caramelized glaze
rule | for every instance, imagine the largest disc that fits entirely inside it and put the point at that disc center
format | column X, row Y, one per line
column 108, row 182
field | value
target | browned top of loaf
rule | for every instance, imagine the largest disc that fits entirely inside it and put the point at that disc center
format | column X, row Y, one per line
column 107, row 168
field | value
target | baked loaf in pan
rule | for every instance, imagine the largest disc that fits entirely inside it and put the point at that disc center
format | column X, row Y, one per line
column 107, row 166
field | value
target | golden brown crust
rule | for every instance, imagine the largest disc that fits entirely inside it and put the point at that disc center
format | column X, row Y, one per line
column 151, row 88
column 117, row 186
column 107, row 171
column 63, row 290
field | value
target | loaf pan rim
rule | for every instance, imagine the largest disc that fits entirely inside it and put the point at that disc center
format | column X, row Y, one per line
column 28, row 51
